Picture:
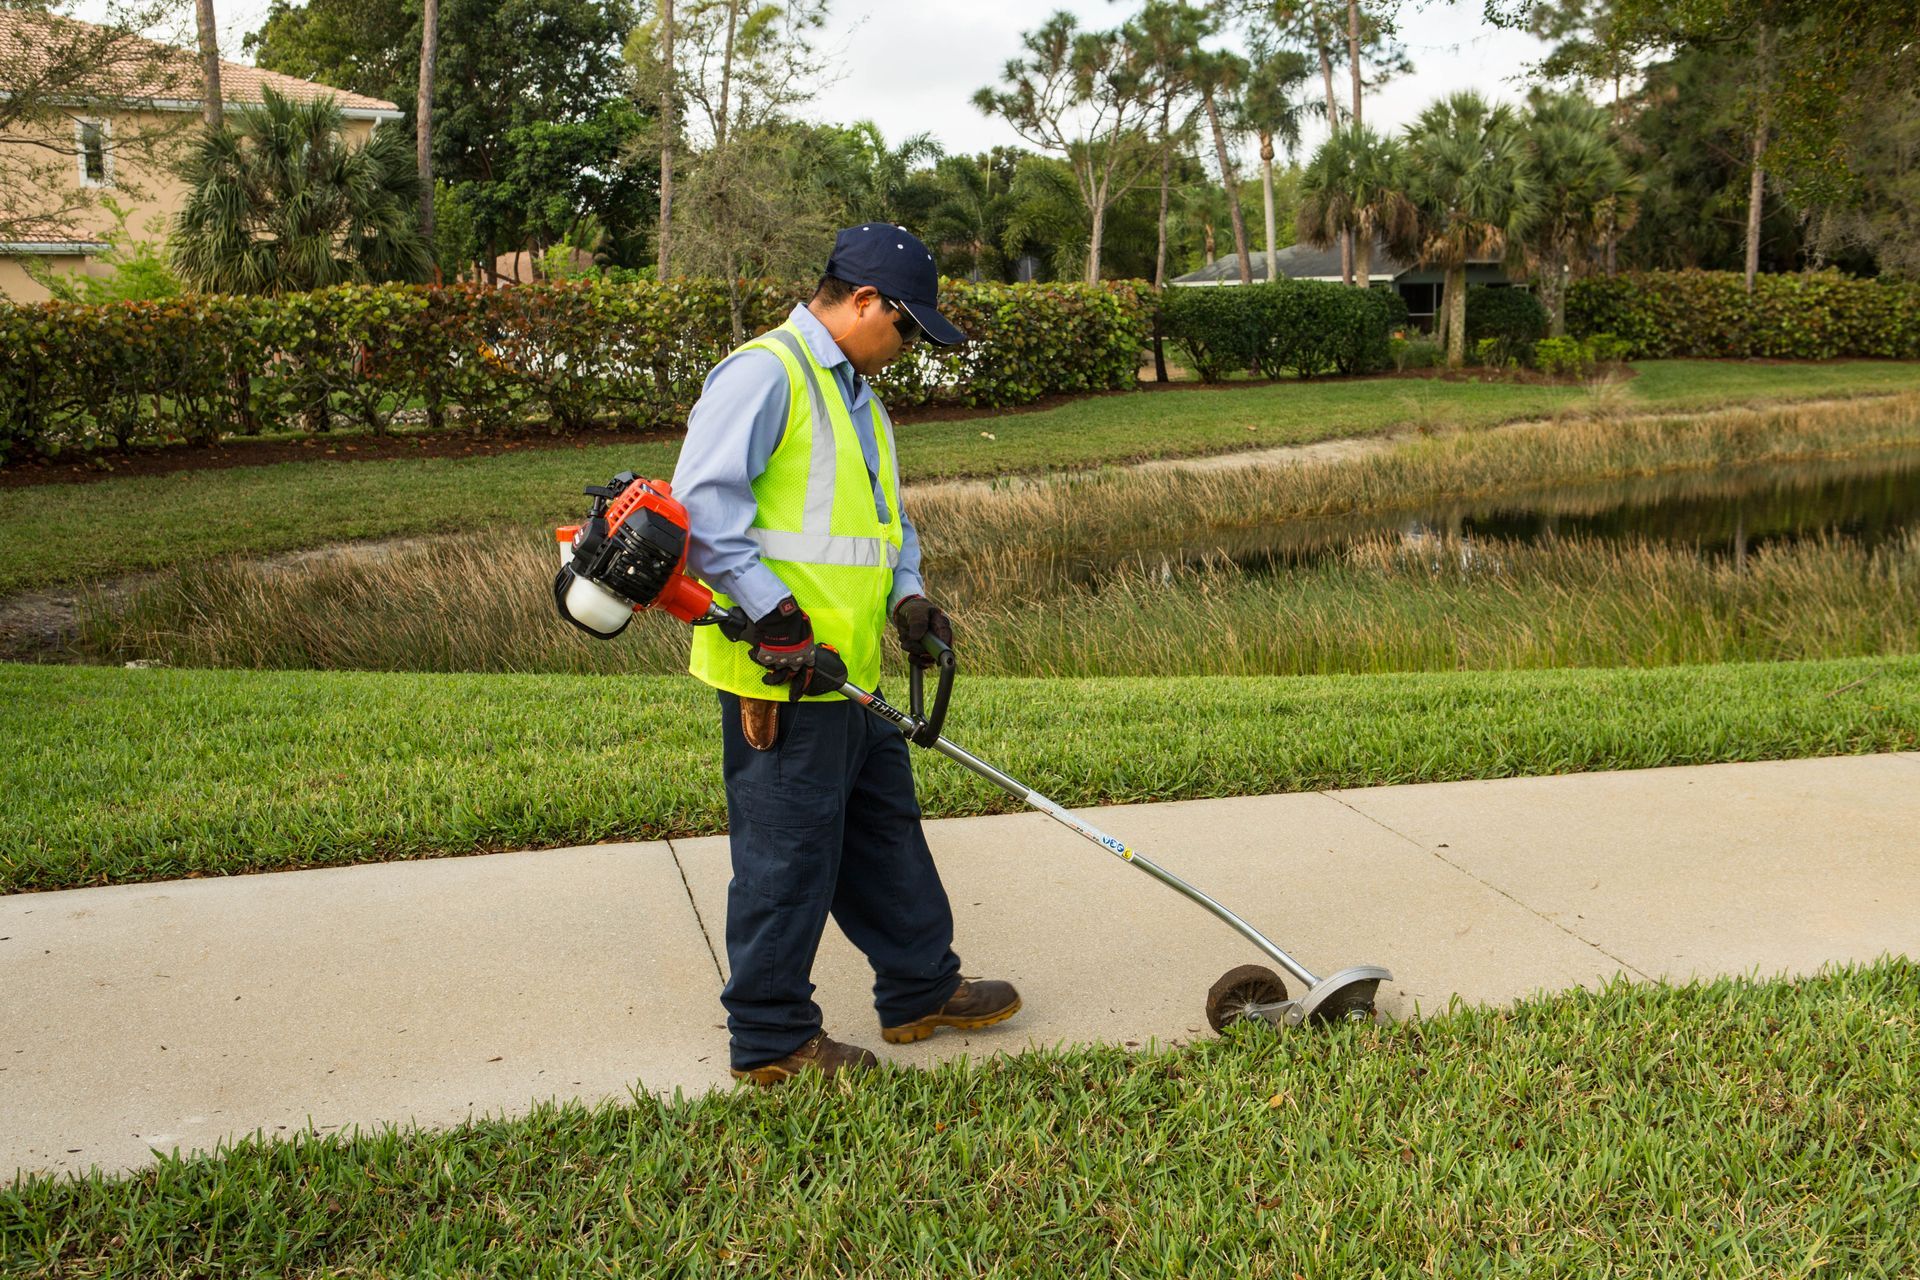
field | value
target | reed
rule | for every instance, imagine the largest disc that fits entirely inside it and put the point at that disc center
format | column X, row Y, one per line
column 1133, row 571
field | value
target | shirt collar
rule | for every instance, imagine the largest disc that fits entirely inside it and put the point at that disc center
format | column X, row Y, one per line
column 829, row 354
column 824, row 348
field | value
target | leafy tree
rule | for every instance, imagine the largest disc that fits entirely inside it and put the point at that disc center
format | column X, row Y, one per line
column 1165, row 35
column 279, row 202
column 1585, row 192
column 1468, row 176
column 967, row 217
column 1086, row 95
column 54, row 62
column 1356, row 186
column 362, row 46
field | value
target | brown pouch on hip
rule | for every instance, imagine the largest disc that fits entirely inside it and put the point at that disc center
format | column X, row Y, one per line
column 759, row 722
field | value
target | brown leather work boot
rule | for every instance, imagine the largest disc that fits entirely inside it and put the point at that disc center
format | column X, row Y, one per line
column 973, row 1004
column 818, row 1054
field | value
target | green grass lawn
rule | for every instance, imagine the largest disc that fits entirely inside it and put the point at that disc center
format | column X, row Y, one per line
column 116, row 776
column 67, row 533
column 1731, row 1128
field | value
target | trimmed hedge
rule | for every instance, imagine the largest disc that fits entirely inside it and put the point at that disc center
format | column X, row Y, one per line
column 75, row 377
column 1304, row 327
column 1812, row 316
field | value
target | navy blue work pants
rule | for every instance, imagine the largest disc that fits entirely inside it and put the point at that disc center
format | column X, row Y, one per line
column 826, row 822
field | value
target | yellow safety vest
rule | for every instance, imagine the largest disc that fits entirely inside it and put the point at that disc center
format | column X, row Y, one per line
column 817, row 528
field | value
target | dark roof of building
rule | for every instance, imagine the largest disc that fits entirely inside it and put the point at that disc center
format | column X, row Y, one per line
column 1296, row 262
column 1302, row 262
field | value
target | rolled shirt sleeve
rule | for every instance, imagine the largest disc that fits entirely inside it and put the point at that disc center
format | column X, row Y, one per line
column 906, row 576
column 731, row 433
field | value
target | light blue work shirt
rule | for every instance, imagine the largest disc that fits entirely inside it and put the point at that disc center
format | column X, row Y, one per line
column 731, row 433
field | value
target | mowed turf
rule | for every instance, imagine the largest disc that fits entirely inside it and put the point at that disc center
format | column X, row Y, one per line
column 1730, row 1128
column 115, row 776
column 69, row 533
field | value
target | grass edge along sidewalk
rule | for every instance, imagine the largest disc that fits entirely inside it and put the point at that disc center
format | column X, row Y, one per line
column 158, row 521
column 1730, row 1126
column 117, row 776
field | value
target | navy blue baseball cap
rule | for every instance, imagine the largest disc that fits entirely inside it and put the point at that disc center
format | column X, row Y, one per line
column 893, row 260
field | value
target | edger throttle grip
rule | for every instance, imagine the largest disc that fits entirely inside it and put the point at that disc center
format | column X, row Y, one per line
column 942, row 655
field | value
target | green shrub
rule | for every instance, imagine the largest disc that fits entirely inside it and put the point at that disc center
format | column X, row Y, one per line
column 1415, row 353
column 1564, row 356
column 1810, row 316
column 1609, row 348
column 1512, row 319
column 1302, row 327
column 196, row 367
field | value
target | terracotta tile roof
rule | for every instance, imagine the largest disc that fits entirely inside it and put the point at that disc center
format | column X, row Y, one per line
column 140, row 68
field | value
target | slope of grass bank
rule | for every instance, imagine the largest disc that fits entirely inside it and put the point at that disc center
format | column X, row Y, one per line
column 1724, row 1128
column 116, row 776
column 61, row 533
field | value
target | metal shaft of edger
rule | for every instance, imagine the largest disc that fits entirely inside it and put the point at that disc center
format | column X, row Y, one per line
column 893, row 715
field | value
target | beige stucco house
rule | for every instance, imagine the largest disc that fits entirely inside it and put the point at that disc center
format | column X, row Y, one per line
column 99, row 169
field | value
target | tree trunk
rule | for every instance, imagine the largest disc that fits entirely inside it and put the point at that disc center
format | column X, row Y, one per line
column 1166, row 196
column 1756, row 186
column 1266, row 183
column 666, row 139
column 1233, row 192
column 1093, row 241
column 423, row 116
column 1326, row 76
column 1353, row 54
column 1756, row 190
column 726, row 74
column 212, row 110
column 1456, row 316
column 1363, row 258
column 1346, row 257
column 1553, row 283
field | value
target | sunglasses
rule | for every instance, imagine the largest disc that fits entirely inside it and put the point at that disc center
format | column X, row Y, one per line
column 903, row 322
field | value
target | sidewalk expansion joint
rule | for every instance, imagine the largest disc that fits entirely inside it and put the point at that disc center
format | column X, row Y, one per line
column 705, row 936
column 1535, row 912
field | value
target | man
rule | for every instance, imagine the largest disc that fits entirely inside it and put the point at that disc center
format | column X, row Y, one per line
column 789, row 475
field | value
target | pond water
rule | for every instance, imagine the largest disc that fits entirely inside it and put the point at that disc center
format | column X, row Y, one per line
column 1721, row 514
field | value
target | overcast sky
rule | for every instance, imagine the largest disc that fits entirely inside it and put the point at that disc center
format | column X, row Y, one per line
column 913, row 65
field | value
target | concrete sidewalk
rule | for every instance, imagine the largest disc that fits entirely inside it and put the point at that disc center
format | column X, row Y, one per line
column 175, row 1015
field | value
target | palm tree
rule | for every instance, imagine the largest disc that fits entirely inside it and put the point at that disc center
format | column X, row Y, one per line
column 1269, row 109
column 1355, row 185
column 278, row 202
column 1476, row 194
column 1586, row 192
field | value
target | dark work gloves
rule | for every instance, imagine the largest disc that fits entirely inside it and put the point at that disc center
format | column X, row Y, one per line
column 783, row 644
column 913, row 618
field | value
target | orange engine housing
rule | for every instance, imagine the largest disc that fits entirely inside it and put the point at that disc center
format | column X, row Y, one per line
column 681, row 597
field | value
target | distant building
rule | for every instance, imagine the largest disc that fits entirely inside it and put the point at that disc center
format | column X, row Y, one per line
column 1419, row 287
column 95, row 163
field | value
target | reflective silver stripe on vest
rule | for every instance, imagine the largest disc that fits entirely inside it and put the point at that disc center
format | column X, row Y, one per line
column 893, row 451
column 818, row 516
column 812, row 548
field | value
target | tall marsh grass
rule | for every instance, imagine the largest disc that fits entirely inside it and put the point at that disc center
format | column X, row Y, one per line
column 1070, row 577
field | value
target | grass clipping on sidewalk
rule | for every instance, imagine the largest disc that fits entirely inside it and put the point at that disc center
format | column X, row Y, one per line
column 1725, row 1128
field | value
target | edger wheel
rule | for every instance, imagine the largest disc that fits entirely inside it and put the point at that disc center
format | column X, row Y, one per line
column 1234, row 997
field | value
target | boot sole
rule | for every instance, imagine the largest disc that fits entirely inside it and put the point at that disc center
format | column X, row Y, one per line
column 924, row 1027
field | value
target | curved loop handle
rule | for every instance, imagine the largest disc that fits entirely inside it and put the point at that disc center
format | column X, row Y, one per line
column 930, row 725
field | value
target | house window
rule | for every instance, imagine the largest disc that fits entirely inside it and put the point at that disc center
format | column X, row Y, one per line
column 90, row 137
